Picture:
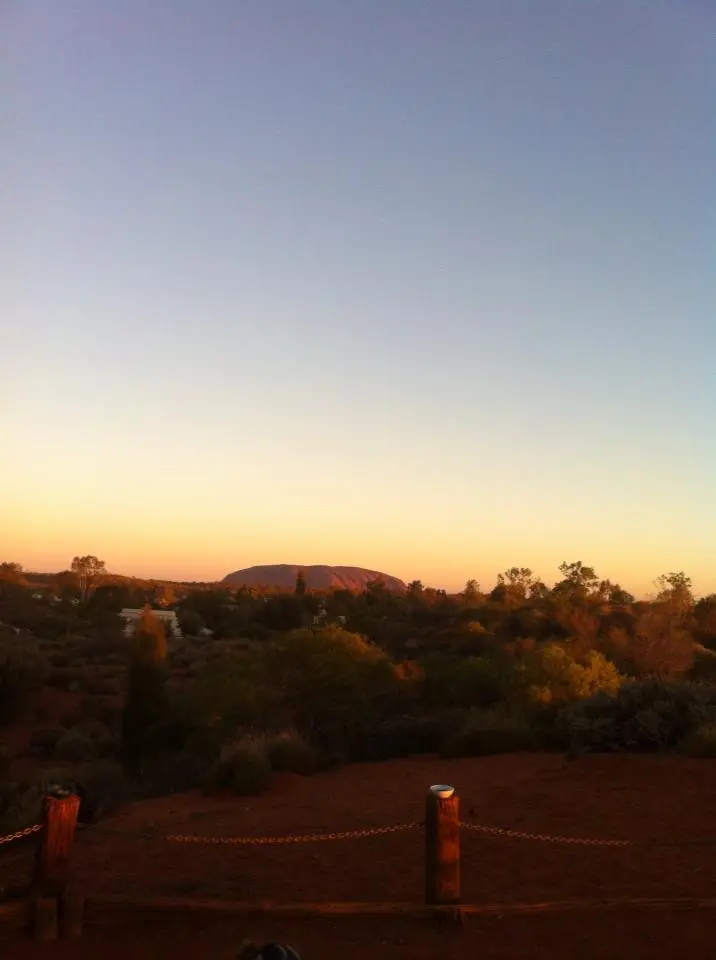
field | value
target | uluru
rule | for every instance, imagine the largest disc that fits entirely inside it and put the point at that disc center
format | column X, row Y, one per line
column 282, row 576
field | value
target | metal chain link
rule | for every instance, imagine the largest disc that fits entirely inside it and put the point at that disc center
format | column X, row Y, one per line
column 521, row 835
column 28, row 831
column 298, row 838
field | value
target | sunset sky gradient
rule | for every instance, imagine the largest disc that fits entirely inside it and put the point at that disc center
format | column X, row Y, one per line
column 425, row 286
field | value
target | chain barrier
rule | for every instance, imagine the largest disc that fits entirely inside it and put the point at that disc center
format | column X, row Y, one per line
column 481, row 828
column 548, row 838
column 28, row 831
column 299, row 838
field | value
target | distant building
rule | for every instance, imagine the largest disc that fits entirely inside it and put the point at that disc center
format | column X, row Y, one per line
column 131, row 617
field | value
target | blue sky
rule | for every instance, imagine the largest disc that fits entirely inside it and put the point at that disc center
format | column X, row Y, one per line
column 421, row 286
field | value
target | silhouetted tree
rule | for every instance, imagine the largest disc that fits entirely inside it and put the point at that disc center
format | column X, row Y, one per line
column 89, row 571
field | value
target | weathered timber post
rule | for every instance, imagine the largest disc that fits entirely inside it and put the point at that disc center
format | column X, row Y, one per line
column 442, row 846
column 53, row 855
column 72, row 908
column 44, row 918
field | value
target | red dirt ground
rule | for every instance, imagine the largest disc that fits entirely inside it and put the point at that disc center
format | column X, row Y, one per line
column 642, row 799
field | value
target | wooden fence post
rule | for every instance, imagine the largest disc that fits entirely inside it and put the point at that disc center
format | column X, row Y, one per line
column 53, row 855
column 442, row 839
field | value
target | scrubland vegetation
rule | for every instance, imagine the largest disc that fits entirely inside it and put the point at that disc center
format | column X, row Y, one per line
column 296, row 682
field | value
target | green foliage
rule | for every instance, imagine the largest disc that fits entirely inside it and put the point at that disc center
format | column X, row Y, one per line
column 463, row 682
column 701, row 742
column 484, row 732
column 289, row 751
column 549, row 675
column 642, row 716
column 88, row 571
column 333, row 684
column 20, row 805
column 170, row 771
column 12, row 573
column 23, row 669
column 44, row 740
column 405, row 736
column 74, row 747
column 102, row 788
column 145, row 706
column 148, row 644
column 244, row 767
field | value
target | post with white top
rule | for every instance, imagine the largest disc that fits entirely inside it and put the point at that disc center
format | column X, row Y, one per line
column 442, row 837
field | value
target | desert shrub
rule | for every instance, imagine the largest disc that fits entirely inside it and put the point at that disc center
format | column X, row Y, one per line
column 102, row 788
column 486, row 732
column 74, row 747
column 701, row 742
column 145, row 706
column 404, row 736
column 704, row 665
column 59, row 658
column 44, row 740
column 643, row 715
column 244, row 767
column 61, row 677
column 163, row 774
column 20, row 806
column 22, row 671
column 659, row 645
column 463, row 682
column 290, row 751
column 549, row 676
column 333, row 685
column 103, row 709
column 103, row 741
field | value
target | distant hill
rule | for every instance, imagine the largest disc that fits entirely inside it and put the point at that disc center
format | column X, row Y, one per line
column 318, row 577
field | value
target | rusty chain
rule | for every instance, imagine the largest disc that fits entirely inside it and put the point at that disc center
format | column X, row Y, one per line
column 298, row 838
column 28, row 831
column 545, row 837
column 484, row 829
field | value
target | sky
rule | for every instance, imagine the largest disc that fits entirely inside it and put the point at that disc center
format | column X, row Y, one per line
column 424, row 286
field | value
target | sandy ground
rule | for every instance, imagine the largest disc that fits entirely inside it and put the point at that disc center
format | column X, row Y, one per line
column 643, row 799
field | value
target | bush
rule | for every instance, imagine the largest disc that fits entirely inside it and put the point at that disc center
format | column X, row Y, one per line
column 102, row 788
column 485, row 732
column 74, row 747
column 22, row 671
column 44, row 740
column 463, row 682
column 642, row 716
column 404, row 737
column 289, row 751
column 20, row 806
column 334, row 685
column 244, row 767
column 168, row 773
column 549, row 675
column 700, row 742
